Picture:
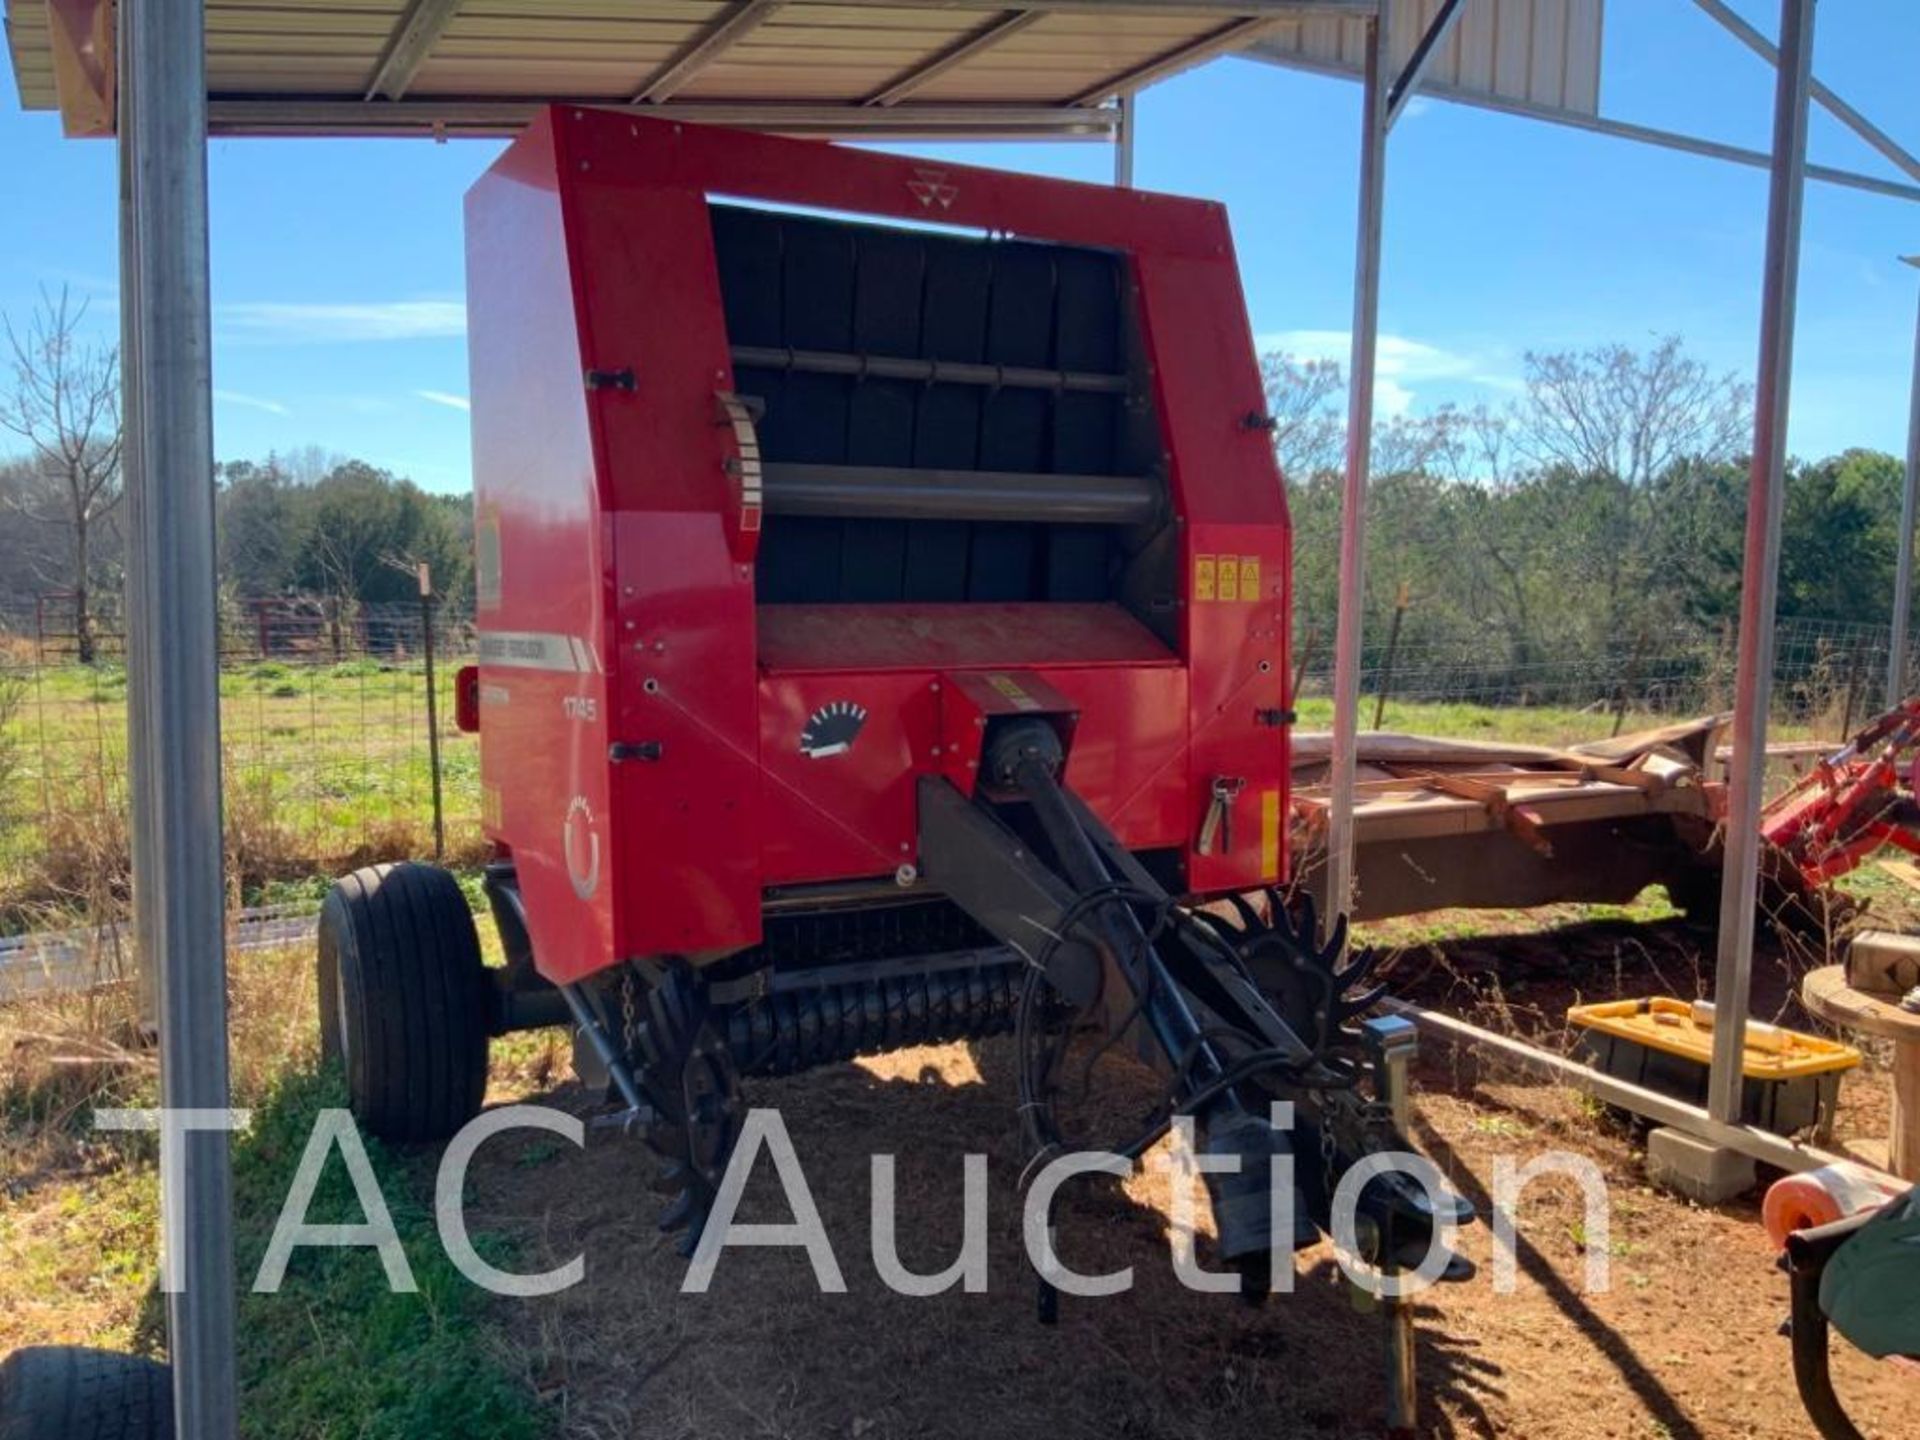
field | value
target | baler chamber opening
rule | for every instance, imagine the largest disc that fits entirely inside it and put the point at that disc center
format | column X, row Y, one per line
column 944, row 416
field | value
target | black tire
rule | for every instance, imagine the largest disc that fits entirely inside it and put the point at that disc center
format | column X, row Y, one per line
column 64, row 1392
column 404, row 1000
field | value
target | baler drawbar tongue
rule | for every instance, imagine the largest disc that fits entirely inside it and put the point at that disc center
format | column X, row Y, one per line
column 1248, row 1019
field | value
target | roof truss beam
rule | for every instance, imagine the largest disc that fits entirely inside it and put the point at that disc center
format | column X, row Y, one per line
column 1235, row 35
column 277, row 115
column 412, row 41
column 1688, row 144
column 1197, row 9
column 741, row 20
column 1840, row 109
column 1402, row 90
column 908, row 82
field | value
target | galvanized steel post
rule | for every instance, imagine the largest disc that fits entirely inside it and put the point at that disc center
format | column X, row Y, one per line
column 1909, row 495
column 1353, row 504
column 174, row 703
column 1753, row 683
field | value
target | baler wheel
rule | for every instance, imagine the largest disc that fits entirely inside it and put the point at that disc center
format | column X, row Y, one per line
column 403, row 1000
column 64, row 1392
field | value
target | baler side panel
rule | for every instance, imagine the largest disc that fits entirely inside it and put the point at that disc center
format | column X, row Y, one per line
column 542, row 563
column 1228, row 487
column 688, row 815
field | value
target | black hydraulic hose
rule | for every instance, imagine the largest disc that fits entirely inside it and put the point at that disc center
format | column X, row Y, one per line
column 1174, row 1024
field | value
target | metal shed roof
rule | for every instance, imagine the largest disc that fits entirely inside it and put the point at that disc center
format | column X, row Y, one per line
column 920, row 67
column 1541, row 53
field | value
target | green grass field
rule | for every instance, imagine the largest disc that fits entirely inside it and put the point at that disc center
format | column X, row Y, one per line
column 325, row 766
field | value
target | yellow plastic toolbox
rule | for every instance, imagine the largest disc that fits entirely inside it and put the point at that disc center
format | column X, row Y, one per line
column 1792, row 1080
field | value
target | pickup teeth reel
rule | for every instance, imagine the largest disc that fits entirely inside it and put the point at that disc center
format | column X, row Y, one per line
column 1306, row 982
column 684, row 1068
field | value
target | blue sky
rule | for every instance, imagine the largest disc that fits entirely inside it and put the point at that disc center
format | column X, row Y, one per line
column 338, row 279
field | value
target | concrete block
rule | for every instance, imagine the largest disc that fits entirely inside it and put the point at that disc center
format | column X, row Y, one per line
column 1703, row 1172
column 1883, row 963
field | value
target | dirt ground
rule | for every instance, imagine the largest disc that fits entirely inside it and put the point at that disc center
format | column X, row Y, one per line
column 1683, row 1344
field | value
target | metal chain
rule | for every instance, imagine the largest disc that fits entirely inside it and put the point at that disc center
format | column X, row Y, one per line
column 629, row 1013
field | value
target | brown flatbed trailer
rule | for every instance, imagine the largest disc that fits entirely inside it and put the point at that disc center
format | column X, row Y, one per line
column 1443, row 824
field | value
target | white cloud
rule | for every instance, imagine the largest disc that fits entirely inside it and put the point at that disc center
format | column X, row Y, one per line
column 250, row 402
column 1400, row 363
column 442, row 397
column 1391, row 399
column 294, row 322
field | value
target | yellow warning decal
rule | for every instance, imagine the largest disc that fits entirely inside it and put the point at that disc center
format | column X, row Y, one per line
column 1226, row 578
column 1269, row 834
column 1010, row 688
column 490, row 807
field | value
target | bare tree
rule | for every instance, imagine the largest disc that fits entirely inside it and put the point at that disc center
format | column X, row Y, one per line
column 1631, row 415
column 1608, row 429
column 65, row 403
column 1309, row 434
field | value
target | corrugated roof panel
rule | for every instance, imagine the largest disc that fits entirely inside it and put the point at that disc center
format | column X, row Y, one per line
column 838, row 52
column 28, row 43
column 1544, row 52
column 615, row 79
column 1066, row 54
column 688, row 12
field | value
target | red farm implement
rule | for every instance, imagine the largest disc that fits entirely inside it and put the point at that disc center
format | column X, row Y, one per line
column 883, row 598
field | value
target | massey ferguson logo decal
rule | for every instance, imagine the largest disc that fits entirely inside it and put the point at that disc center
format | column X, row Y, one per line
column 583, row 871
column 931, row 188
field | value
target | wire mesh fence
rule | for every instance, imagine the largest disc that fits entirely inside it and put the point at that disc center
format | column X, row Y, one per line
column 324, row 734
column 324, row 729
column 1828, row 675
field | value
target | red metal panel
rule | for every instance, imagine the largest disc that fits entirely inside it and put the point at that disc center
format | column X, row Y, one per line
column 688, row 819
column 542, row 568
column 1129, row 751
column 853, row 813
column 610, row 535
column 1237, row 648
column 614, row 150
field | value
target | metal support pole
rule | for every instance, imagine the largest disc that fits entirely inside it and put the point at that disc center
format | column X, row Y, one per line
column 139, row 762
column 1353, row 501
column 433, row 712
column 1903, row 566
column 174, row 691
column 1753, row 682
column 1123, row 141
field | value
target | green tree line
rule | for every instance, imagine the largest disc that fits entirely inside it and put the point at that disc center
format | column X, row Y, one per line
column 340, row 530
column 1603, row 508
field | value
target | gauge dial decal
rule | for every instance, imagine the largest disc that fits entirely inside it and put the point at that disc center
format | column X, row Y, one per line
column 832, row 729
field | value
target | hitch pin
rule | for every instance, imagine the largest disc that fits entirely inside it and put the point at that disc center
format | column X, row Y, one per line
column 1218, row 826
